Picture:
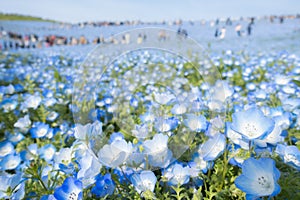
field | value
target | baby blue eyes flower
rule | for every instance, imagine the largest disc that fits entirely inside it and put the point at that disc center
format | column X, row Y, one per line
column 47, row 152
column 114, row 154
column 165, row 125
column 71, row 189
column 10, row 162
column 32, row 101
column 104, row 186
column 259, row 178
column 12, row 181
column 39, row 130
column 6, row 148
column 144, row 181
column 157, row 151
column 289, row 154
column 252, row 124
column 212, row 148
column 163, row 98
column 195, row 123
column 176, row 174
column 8, row 105
column 23, row 124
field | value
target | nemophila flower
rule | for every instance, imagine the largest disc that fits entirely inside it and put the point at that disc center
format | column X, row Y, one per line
column 47, row 152
column 52, row 116
column 259, row 178
column 252, row 124
column 39, row 130
column 115, row 154
column 163, row 98
column 176, row 174
column 179, row 108
column 49, row 101
column 235, row 137
column 71, row 189
column 8, row 105
column 6, row 148
column 157, row 151
column 31, row 101
column 13, row 182
column 275, row 137
column 141, row 131
column 23, row 124
column 215, row 126
column 10, row 162
column 289, row 154
column 212, row 148
column 284, row 120
column 195, row 123
column 14, row 138
column 104, row 186
column 116, row 136
column 88, row 132
column 147, row 117
column 89, row 167
column 30, row 152
column 143, row 181
column 63, row 160
column 165, row 124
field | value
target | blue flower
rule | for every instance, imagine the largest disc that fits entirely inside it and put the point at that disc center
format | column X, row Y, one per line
column 195, row 123
column 163, row 98
column 289, row 154
column 32, row 101
column 252, row 124
column 70, row 189
column 6, row 148
column 165, row 125
column 104, row 186
column 47, row 152
column 116, row 136
column 89, row 168
column 176, row 174
column 212, row 148
column 115, row 154
column 12, row 181
column 8, row 105
column 144, row 181
column 10, row 162
column 23, row 124
column 39, row 130
column 258, row 178
column 157, row 151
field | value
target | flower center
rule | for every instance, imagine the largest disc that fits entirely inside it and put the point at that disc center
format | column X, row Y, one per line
column 72, row 196
column 251, row 129
column 263, row 182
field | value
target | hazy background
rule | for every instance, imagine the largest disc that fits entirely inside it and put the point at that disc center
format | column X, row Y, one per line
column 147, row 10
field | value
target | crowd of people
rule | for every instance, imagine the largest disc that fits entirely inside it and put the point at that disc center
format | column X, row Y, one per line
column 12, row 40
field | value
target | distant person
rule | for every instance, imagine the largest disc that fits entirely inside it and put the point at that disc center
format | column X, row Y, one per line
column 252, row 20
column 281, row 19
column 228, row 22
column 139, row 39
column 238, row 28
column 162, row 36
column 249, row 29
column 217, row 21
column 222, row 33
column 217, row 33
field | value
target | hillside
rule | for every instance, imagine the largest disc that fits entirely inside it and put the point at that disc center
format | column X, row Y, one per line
column 13, row 17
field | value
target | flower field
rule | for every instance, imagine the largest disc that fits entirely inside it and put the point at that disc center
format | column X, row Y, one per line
column 150, row 125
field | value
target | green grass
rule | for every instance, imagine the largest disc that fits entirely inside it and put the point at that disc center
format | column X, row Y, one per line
column 15, row 17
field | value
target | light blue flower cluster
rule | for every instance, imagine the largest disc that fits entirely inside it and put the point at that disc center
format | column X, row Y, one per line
column 151, row 128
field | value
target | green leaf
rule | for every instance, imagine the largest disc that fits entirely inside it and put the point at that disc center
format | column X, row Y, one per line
column 297, row 82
